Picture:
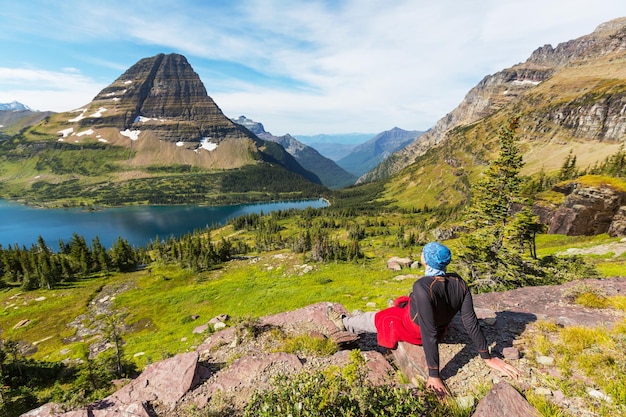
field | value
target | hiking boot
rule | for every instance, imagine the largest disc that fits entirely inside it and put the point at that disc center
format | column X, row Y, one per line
column 335, row 317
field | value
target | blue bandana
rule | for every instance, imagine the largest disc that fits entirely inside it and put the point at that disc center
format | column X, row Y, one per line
column 437, row 257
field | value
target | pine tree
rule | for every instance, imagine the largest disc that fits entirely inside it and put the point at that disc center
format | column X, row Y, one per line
column 568, row 169
column 499, row 188
column 484, row 255
column 123, row 257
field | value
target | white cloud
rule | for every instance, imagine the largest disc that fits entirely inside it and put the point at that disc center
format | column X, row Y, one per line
column 46, row 90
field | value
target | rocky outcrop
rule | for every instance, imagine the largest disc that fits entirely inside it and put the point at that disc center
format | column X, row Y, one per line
column 587, row 210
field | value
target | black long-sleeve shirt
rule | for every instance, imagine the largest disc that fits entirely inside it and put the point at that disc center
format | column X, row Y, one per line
column 434, row 302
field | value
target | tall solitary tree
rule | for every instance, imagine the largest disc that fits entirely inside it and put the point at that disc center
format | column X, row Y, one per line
column 487, row 253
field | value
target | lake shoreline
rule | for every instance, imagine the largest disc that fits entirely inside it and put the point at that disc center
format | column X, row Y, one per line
column 138, row 224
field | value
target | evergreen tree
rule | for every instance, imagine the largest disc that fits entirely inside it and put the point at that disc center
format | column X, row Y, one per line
column 80, row 254
column 568, row 169
column 499, row 188
column 485, row 257
column 101, row 259
column 113, row 326
column 523, row 230
column 123, row 257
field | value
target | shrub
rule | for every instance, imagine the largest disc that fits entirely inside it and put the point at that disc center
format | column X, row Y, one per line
column 342, row 392
column 321, row 346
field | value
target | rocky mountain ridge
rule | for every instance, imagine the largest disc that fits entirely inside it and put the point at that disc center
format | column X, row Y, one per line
column 570, row 95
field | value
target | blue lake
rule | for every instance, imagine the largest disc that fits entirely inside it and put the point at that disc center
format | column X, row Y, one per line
column 138, row 225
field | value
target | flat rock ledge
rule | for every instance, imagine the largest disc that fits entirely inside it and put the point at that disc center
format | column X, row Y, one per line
column 190, row 380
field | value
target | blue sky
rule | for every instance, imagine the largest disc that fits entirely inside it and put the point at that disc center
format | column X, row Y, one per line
column 299, row 67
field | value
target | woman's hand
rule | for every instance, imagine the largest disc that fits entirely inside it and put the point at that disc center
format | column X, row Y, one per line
column 437, row 385
column 499, row 365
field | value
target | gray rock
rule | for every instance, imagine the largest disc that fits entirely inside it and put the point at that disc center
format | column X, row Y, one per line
column 504, row 400
column 200, row 329
column 511, row 353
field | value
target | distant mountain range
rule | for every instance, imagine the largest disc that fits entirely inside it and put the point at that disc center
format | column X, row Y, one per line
column 335, row 146
column 368, row 155
column 16, row 116
column 331, row 174
column 362, row 157
column 568, row 100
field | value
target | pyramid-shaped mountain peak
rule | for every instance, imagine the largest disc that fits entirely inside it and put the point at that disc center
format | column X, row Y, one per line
column 163, row 94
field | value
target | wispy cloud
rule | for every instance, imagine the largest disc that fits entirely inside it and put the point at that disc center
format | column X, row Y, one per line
column 310, row 66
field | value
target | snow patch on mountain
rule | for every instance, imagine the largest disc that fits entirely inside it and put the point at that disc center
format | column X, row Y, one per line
column 66, row 132
column 206, row 144
column 13, row 106
column 132, row 134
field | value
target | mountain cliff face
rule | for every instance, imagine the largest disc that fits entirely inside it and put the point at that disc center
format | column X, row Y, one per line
column 330, row 174
column 565, row 97
column 163, row 94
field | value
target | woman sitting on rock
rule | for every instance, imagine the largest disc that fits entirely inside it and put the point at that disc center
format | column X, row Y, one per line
column 422, row 318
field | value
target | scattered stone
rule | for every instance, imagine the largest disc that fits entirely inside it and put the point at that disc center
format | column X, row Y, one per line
column 219, row 325
column 410, row 358
column 511, row 353
column 545, row 360
column 394, row 266
column 138, row 354
column 40, row 298
column 558, row 396
column 401, row 262
column 599, row 395
column 545, row 392
column 220, row 318
column 195, row 317
column 466, row 401
column 200, row 329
